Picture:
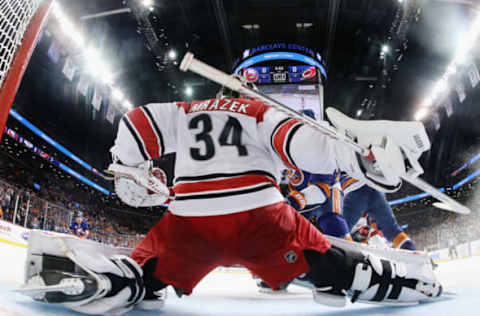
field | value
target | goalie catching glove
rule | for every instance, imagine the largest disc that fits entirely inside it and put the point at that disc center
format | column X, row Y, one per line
column 140, row 186
column 395, row 149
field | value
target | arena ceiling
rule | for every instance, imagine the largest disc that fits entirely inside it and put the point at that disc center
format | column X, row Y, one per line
column 349, row 34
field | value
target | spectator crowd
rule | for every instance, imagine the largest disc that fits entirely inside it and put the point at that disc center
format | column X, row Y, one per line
column 106, row 225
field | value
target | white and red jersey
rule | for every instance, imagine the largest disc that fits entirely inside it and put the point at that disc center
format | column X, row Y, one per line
column 229, row 152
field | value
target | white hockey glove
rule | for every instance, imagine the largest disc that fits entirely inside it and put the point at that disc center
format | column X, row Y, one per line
column 140, row 186
column 395, row 146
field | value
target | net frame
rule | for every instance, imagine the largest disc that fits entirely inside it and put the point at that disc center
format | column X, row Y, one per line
column 21, row 23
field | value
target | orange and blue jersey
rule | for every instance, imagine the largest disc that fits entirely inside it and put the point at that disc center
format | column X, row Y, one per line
column 327, row 215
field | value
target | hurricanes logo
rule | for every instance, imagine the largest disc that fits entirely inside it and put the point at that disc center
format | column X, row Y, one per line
column 309, row 73
column 291, row 256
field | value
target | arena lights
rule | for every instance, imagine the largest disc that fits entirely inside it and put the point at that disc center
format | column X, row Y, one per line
column 385, row 48
column 441, row 86
column 67, row 27
column 421, row 114
column 127, row 104
column 172, row 54
column 451, row 69
column 188, row 91
column 147, row 3
column 95, row 65
column 107, row 78
column 428, row 102
column 117, row 94
column 468, row 41
column 94, row 62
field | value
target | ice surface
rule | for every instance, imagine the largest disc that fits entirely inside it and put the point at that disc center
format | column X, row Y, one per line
column 235, row 293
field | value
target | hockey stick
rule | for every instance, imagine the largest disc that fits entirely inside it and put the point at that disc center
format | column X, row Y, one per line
column 211, row 73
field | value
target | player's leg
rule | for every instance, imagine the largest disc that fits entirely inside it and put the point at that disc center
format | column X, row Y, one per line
column 175, row 253
column 333, row 224
column 271, row 247
column 381, row 212
column 329, row 215
column 354, row 205
column 292, row 246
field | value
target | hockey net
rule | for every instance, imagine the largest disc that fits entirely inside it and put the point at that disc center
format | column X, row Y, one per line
column 15, row 16
column 20, row 25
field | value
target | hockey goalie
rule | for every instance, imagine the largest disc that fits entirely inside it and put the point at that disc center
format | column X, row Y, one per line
column 227, row 209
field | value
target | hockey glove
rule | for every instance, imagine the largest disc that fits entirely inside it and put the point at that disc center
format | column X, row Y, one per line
column 140, row 186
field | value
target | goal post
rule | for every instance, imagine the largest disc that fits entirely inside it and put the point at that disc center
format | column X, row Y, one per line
column 21, row 22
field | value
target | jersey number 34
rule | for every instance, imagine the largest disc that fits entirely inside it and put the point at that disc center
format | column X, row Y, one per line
column 231, row 135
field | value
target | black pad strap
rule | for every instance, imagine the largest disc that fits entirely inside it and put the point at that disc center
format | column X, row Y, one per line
column 384, row 281
column 400, row 283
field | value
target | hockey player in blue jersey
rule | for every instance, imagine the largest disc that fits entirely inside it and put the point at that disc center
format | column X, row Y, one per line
column 359, row 199
column 319, row 198
column 334, row 203
column 79, row 227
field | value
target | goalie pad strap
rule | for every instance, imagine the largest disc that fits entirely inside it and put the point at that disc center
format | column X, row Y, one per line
column 134, row 280
column 398, row 285
column 384, row 280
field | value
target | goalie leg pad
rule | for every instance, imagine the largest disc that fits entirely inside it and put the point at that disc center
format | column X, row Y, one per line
column 340, row 273
column 377, row 280
column 88, row 277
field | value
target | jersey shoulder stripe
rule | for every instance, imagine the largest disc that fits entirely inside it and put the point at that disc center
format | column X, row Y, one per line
column 156, row 128
column 149, row 135
column 138, row 141
column 281, row 138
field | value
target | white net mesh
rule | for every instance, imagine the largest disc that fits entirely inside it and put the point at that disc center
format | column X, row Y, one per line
column 15, row 16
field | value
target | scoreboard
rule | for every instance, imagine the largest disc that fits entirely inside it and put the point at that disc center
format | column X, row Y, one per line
column 287, row 72
column 281, row 74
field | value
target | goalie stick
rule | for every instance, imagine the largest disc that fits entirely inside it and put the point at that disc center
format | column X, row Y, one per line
column 211, row 73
